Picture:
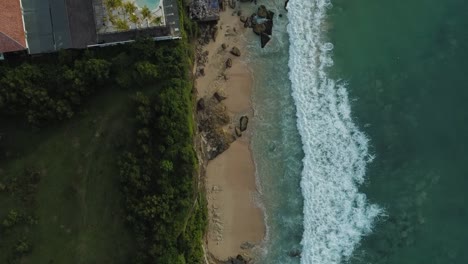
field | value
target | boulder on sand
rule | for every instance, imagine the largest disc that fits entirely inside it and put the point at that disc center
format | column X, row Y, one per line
column 201, row 104
column 220, row 95
column 243, row 19
column 235, row 51
column 237, row 131
column 229, row 63
column 244, row 120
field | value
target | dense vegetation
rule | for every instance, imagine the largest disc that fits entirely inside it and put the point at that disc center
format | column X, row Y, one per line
column 45, row 92
column 154, row 158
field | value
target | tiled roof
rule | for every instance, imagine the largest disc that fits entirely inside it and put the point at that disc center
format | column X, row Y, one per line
column 12, row 37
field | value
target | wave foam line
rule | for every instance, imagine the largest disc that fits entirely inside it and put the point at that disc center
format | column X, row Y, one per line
column 336, row 215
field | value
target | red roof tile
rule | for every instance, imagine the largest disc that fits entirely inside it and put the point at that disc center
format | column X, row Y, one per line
column 11, row 25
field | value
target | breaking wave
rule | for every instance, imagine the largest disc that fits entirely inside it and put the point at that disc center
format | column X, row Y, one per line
column 336, row 215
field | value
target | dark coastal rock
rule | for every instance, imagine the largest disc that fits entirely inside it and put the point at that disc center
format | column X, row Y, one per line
column 295, row 253
column 218, row 142
column 270, row 14
column 243, row 19
column 259, row 28
column 239, row 13
column 237, row 131
column 235, row 51
column 264, row 39
column 220, row 95
column 248, row 22
column 223, row 46
column 252, row 18
column 268, row 27
column 229, row 63
column 262, row 11
column 236, row 261
column 244, row 120
column 232, row 4
column 211, row 121
column 201, row 104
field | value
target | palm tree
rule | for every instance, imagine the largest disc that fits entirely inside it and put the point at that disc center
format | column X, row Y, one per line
column 157, row 20
column 129, row 8
column 135, row 20
column 146, row 14
column 121, row 25
column 113, row 4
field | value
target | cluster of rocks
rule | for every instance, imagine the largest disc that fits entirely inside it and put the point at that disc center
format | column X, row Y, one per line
column 208, row 32
column 238, row 260
column 261, row 23
column 212, row 120
column 201, row 58
column 203, row 10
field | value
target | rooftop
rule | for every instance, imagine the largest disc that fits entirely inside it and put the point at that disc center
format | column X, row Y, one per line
column 12, row 37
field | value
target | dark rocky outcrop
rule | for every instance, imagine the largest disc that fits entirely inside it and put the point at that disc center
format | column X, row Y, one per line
column 268, row 27
column 243, row 19
column 220, row 95
column 248, row 22
column 201, row 104
column 235, row 51
column 244, row 120
column 259, row 28
column 229, row 63
column 237, row 131
column 264, row 39
column 262, row 11
column 270, row 15
column 232, row 3
column 211, row 123
column 262, row 24
column 224, row 46
column 237, row 260
column 295, row 253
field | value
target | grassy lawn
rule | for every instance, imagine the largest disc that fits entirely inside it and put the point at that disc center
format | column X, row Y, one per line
column 77, row 202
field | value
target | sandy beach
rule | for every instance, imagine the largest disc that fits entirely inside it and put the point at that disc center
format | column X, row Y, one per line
column 235, row 221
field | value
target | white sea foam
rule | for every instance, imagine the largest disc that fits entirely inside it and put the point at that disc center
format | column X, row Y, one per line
column 336, row 215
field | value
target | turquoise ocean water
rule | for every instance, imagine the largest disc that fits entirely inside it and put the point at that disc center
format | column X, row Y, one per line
column 361, row 137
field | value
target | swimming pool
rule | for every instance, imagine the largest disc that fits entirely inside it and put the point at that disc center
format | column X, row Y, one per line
column 151, row 4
